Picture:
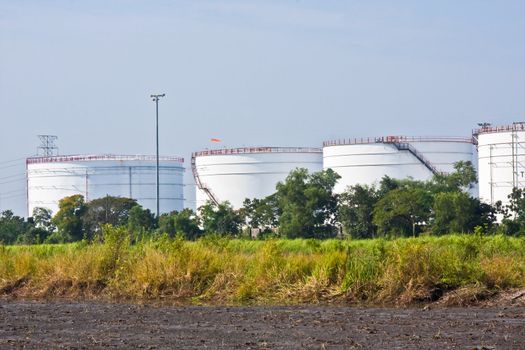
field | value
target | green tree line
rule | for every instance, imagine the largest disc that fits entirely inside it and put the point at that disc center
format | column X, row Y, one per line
column 303, row 205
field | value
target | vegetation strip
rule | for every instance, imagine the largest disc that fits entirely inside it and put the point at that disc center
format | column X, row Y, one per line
column 303, row 206
column 215, row 269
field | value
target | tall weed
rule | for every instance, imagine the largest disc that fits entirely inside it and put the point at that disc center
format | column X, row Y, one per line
column 218, row 269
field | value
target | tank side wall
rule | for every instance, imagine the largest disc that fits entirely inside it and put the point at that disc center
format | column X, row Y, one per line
column 501, row 162
column 50, row 182
column 367, row 164
column 234, row 178
column 443, row 155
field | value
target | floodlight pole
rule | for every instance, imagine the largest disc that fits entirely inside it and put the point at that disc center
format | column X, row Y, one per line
column 156, row 100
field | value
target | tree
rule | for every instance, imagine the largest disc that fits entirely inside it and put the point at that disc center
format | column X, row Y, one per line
column 295, row 217
column 307, row 204
column 485, row 215
column 140, row 221
column 32, row 234
column 514, row 213
column 356, row 205
column 42, row 217
column 463, row 178
column 39, row 227
column 221, row 218
column 454, row 212
column 261, row 213
column 403, row 211
column 386, row 185
column 11, row 227
column 185, row 222
column 107, row 210
column 69, row 220
column 167, row 224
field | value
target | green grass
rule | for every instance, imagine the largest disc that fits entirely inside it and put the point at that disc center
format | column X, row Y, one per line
column 231, row 271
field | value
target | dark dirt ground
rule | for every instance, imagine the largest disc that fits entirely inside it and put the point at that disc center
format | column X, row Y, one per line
column 98, row 325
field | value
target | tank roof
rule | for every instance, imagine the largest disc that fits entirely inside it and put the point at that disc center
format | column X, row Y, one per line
column 390, row 139
column 100, row 157
column 252, row 150
column 488, row 129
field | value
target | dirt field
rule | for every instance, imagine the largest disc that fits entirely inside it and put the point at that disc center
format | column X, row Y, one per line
column 83, row 325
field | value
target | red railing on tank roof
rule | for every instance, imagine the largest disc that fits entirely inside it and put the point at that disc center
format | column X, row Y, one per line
column 248, row 150
column 390, row 139
column 500, row 128
column 84, row 158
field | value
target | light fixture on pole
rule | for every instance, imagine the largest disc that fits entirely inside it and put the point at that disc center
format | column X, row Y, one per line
column 156, row 100
column 484, row 125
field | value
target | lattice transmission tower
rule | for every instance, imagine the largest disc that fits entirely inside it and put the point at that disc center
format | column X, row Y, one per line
column 47, row 146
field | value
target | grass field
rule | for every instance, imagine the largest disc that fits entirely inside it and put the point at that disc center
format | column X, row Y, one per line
column 231, row 271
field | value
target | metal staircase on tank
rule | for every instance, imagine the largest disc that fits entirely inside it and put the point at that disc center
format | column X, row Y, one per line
column 199, row 183
column 405, row 146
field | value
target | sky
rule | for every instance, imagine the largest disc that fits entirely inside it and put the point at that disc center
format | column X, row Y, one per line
column 251, row 73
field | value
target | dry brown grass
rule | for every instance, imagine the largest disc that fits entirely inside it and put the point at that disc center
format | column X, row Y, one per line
column 402, row 271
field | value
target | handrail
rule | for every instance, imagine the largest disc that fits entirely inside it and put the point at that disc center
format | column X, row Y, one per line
column 405, row 146
column 382, row 139
column 248, row 150
column 83, row 158
column 500, row 128
column 199, row 183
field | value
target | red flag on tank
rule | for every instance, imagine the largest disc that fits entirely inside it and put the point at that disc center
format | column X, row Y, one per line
column 215, row 140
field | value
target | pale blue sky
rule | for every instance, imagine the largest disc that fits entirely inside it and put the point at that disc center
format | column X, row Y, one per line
column 280, row 73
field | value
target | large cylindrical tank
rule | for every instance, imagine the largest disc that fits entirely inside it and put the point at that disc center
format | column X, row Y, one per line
column 367, row 160
column 236, row 174
column 501, row 161
column 50, row 179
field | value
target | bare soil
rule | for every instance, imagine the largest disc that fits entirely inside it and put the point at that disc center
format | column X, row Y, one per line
column 99, row 325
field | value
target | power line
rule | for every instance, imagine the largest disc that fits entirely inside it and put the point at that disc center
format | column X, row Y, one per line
column 12, row 166
column 11, row 176
column 12, row 191
column 12, row 160
column 11, row 181
column 12, row 196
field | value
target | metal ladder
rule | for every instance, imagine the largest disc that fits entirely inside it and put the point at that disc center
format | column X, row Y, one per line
column 199, row 183
column 405, row 146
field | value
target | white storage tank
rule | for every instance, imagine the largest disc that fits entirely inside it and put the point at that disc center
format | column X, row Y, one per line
column 239, row 173
column 367, row 160
column 52, row 178
column 501, row 161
